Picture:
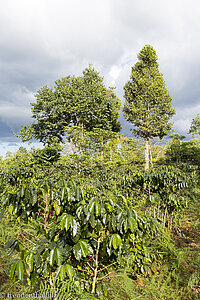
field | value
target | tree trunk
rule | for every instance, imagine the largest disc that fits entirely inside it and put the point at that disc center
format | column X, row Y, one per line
column 111, row 152
column 146, row 154
column 72, row 144
column 150, row 155
column 102, row 146
column 96, row 263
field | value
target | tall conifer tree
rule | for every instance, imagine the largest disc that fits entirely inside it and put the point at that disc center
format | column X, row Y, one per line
column 148, row 104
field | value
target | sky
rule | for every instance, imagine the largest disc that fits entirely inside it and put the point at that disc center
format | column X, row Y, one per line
column 42, row 40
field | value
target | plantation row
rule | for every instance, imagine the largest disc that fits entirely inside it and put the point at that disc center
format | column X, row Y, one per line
column 83, row 226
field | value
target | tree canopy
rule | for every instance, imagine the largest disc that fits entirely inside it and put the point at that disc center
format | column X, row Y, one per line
column 74, row 101
column 148, row 103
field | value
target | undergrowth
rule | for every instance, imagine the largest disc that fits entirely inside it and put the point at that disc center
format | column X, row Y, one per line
column 175, row 274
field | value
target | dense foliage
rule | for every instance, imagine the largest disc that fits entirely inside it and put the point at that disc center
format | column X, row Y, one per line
column 80, row 218
column 83, row 217
column 75, row 101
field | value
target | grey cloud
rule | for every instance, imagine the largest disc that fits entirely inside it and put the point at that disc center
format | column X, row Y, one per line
column 44, row 40
column 4, row 130
column 12, row 144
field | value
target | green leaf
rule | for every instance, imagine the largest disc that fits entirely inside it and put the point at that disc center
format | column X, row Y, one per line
column 34, row 278
column 98, row 226
column 12, row 270
column 84, row 247
column 78, row 194
column 79, row 211
column 57, row 208
column 81, row 249
column 62, row 272
column 62, row 221
column 52, row 257
column 97, row 208
column 114, row 222
column 19, row 270
column 69, row 271
column 116, row 241
column 58, row 256
column 125, row 225
column 46, row 269
column 30, row 260
column 91, row 205
column 90, row 250
column 132, row 224
column 105, row 218
column 34, row 197
column 92, row 220
column 77, row 251
column 74, row 226
column 68, row 222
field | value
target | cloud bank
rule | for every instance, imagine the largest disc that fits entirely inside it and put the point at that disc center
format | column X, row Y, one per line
column 44, row 40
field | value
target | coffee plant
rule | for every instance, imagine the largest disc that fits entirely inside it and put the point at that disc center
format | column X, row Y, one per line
column 81, row 235
column 162, row 191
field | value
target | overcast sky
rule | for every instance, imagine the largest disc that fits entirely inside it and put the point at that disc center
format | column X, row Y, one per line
column 42, row 40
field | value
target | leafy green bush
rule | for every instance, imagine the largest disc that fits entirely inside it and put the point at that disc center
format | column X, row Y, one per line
column 79, row 234
column 162, row 192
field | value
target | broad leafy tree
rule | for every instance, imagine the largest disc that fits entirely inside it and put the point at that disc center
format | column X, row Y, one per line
column 148, row 103
column 74, row 101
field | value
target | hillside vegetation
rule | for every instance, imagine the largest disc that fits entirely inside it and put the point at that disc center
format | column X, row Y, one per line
column 80, row 223
column 95, row 214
